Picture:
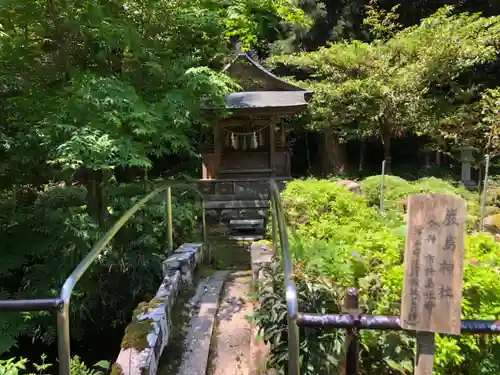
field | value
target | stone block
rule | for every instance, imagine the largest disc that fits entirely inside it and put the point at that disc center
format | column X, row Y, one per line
column 219, row 229
column 352, row 186
column 207, row 187
column 228, row 214
column 169, row 289
column 130, row 362
column 224, row 188
column 177, row 268
column 253, row 213
column 198, row 249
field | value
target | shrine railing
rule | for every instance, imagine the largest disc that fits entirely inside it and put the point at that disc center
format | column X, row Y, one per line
column 352, row 319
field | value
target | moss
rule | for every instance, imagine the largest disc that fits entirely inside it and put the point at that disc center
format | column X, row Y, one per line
column 264, row 242
column 136, row 335
column 205, row 271
column 144, row 307
column 116, row 369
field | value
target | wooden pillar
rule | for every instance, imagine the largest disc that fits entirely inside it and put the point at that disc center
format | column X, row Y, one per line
column 218, row 145
column 272, row 147
column 282, row 134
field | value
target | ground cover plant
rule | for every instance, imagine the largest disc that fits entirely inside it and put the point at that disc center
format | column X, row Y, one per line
column 341, row 241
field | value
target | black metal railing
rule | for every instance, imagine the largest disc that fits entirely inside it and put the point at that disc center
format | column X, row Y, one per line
column 50, row 304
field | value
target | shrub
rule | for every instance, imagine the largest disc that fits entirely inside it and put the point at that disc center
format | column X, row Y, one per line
column 14, row 366
column 397, row 189
column 341, row 242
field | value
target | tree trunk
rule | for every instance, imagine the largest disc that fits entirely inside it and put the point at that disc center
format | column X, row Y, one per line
column 308, row 153
column 334, row 155
column 362, row 152
column 386, row 142
column 94, row 182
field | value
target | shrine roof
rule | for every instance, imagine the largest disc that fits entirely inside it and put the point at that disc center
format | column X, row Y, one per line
column 252, row 76
column 262, row 90
column 255, row 100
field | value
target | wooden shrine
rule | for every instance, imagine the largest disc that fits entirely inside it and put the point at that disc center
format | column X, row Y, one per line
column 251, row 143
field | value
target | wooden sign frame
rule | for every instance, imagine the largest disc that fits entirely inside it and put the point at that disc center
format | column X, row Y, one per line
column 431, row 300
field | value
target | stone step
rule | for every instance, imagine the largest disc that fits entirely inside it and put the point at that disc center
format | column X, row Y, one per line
column 224, row 237
column 232, row 204
column 236, row 197
column 224, row 230
column 246, row 223
column 215, row 216
column 250, row 237
column 232, row 245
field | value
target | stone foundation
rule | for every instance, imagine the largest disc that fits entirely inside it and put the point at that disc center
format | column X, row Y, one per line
column 177, row 269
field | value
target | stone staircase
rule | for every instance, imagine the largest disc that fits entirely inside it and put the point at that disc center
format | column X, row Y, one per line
column 237, row 213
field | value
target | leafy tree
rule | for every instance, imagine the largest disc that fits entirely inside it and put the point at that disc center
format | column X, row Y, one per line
column 411, row 81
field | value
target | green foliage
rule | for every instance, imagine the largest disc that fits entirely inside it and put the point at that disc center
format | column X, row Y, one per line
column 14, row 366
column 383, row 24
column 250, row 20
column 397, row 189
column 419, row 79
column 341, row 242
column 487, row 130
column 56, row 221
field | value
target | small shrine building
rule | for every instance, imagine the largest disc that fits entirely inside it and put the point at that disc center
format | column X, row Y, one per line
column 252, row 143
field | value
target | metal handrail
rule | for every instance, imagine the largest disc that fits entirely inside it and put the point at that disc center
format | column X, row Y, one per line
column 61, row 304
column 278, row 218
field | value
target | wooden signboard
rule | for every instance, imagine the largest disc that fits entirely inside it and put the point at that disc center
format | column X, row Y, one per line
column 433, row 271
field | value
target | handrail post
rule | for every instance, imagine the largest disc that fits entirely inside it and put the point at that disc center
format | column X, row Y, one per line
column 205, row 234
column 290, row 289
column 485, row 192
column 274, row 228
column 382, row 183
column 63, row 344
column 351, row 306
column 168, row 200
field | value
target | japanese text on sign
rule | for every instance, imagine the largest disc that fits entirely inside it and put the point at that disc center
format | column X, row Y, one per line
column 432, row 288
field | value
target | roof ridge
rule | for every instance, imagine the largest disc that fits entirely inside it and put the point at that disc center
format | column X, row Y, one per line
column 244, row 56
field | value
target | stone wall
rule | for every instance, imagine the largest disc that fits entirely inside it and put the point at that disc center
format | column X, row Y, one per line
column 147, row 335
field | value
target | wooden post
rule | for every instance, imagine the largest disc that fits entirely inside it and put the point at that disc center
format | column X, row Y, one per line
column 282, row 135
column 218, row 145
column 272, row 147
column 433, row 271
column 349, row 364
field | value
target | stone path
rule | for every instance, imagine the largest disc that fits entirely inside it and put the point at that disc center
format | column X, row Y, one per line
column 231, row 341
column 201, row 326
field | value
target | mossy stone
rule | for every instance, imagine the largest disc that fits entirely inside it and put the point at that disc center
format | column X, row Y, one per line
column 116, row 369
column 144, row 307
column 136, row 335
